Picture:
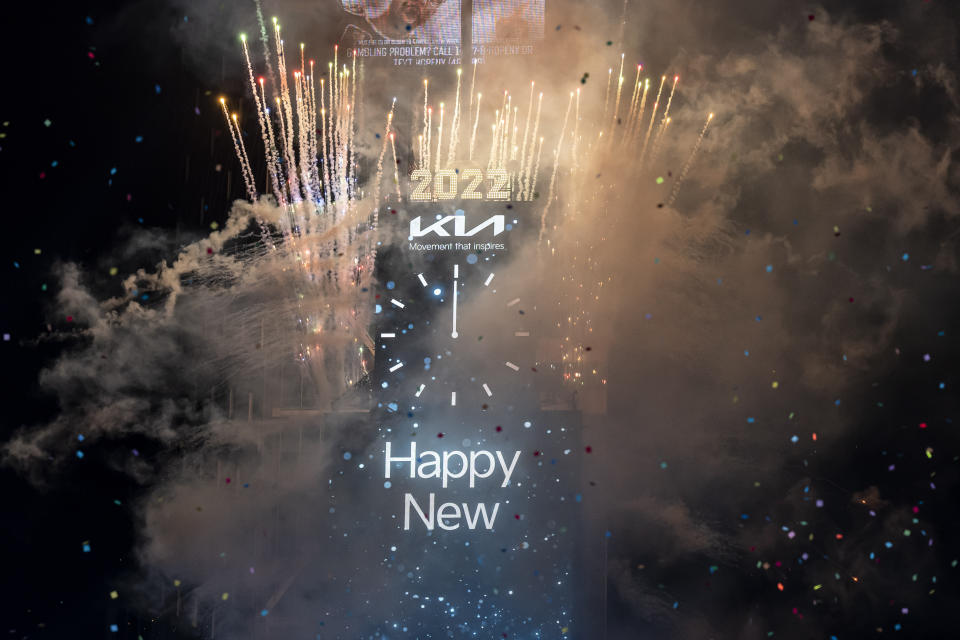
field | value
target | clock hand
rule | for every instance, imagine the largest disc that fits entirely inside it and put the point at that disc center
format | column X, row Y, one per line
column 456, row 274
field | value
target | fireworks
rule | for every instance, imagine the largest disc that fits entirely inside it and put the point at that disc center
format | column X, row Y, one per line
column 314, row 177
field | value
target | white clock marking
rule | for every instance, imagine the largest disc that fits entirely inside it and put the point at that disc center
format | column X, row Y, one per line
column 395, row 367
column 487, row 389
column 522, row 334
column 513, row 302
column 487, row 281
column 396, row 303
column 388, row 335
column 420, row 390
column 512, row 366
column 423, row 280
column 453, row 398
column 456, row 274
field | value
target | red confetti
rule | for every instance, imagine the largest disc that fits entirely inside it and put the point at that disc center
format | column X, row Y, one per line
column 499, row 428
column 440, row 435
column 588, row 449
column 69, row 318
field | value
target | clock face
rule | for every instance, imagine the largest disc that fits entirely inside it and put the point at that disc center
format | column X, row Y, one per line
column 450, row 335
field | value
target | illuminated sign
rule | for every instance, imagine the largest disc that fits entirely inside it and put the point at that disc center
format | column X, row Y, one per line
column 407, row 32
column 506, row 27
column 446, row 185
column 430, row 32
column 447, row 466
column 459, row 226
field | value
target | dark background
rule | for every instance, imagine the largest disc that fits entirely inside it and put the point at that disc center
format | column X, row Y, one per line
column 105, row 73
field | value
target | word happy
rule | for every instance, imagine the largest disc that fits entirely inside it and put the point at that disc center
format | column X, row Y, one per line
column 448, row 466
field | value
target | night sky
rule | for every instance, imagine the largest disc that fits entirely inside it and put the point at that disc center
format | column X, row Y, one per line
column 777, row 456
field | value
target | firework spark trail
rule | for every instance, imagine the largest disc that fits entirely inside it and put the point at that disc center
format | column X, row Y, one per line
column 231, row 124
column 275, row 168
column 455, row 124
column 316, row 184
column 527, row 193
column 494, row 128
column 323, row 144
column 294, row 187
column 237, row 137
column 556, row 164
column 425, row 154
column 513, row 135
column 440, row 139
column 383, row 151
column 606, row 97
column 282, row 130
column 302, row 116
column 331, row 130
column 616, row 108
column 536, row 170
column 638, row 119
column 634, row 97
column 336, row 104
column 261, row 120
column 473, row 86
column 526, row 134
column 396, row 170
column 473, row 136
column 655, row 151
column 429, row 135
column 504, row 134
column 688, row 163
column 666, row 111
column 265, row 40
column 315, row 152
column 504, row 116
column 493, row 143
column 352, row 175
column 653, row 117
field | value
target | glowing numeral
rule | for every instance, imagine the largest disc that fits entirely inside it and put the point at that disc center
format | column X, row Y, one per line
column 500, row 179
column 470, row 192
column 445, row 185
column 424, row 178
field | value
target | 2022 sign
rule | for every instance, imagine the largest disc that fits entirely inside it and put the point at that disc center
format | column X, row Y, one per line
column 448, row 184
